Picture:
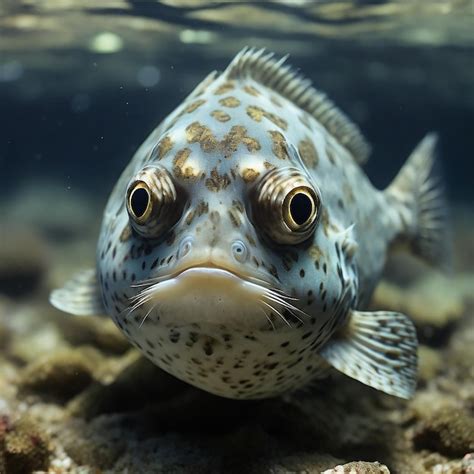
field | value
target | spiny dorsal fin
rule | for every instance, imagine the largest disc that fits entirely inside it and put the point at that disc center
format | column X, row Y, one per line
column 282, row 78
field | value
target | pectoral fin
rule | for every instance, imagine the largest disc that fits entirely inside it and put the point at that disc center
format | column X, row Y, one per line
column 80, row 296
column 378, row 349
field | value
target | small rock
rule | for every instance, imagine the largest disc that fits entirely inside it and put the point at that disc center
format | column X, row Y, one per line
column 359, row 467
column 468, row 463
column 32, row 341
column 449, row 430
column 60, row 375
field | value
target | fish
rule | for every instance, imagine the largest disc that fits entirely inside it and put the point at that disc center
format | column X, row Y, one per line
column 240, row 247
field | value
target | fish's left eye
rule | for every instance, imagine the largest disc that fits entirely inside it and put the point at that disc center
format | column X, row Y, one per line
column 152, row 202
column 286, row 206
column 300, row 208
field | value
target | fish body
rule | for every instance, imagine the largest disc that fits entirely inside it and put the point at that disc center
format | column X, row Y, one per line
column 241, row 245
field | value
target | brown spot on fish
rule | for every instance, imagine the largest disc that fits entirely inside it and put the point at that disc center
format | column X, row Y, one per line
column 273, row 271
column 234, row 138
column 220, row 115
column 179, row 169
column 347, row 192
column 197, row 133
column 308, row 153
column 249, row 175
column 214, row 217
column 287, row 260
column 126, row 233
column 325, row 221
column 217, row 181
column 202, row 208
column 331, row 155
column 224, row 88
column 229, row 102
column 164, row 146
column 268, row 165
column 251, row 240
column 238, row 205
column 315, row 252
column 234, row 217
column 251, row 90
column 190, row 217
column 181, row 158
column 257, row 113
column 280, row 147
column 192, row 107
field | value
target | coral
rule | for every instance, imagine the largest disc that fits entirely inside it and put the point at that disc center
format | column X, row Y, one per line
column 25, row 447
column 449, row 430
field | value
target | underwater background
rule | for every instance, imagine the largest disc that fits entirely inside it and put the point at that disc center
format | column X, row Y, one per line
column 82, row 83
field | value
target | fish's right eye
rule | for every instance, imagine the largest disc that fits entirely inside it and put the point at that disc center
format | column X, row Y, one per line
column 151, row 202
column 286, row 206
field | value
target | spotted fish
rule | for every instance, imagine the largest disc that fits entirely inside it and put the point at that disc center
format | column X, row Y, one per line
column 241, row 245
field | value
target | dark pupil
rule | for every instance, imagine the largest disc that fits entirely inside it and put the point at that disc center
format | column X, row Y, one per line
column 301, row 208
column 139, row 201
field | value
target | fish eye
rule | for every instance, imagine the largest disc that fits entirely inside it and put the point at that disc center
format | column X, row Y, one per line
column 286, row 206
column 152, row 202
column 299, row 208
column 139, row 201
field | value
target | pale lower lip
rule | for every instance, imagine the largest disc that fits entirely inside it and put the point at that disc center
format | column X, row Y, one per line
column 202, row 275
column 209, row 295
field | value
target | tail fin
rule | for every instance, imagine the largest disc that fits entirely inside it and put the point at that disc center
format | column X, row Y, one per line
column 418, row 193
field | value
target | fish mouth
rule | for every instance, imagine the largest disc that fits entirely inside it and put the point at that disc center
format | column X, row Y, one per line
column 210, row 269
column 216, row 295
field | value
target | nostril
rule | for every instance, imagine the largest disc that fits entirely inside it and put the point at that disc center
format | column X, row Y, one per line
column 239, row 251
column 185, row 246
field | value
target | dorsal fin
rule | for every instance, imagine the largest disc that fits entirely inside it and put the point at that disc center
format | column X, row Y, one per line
column 282, row 78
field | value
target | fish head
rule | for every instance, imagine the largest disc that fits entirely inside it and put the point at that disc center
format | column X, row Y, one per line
column 241, row 239
column 222, row 233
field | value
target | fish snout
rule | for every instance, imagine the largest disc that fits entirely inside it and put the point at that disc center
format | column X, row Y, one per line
column 217, row 252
